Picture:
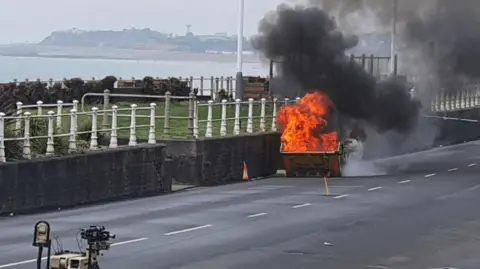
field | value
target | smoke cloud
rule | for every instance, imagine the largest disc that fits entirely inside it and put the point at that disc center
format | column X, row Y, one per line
column 445, row 34
column 311, row 49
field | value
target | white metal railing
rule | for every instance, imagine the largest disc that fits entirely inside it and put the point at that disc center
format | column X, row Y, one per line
column 250, row 118
column 73, row 132
column 467, row 98
column 60, row 105
column 23, row 119
column 207, row 86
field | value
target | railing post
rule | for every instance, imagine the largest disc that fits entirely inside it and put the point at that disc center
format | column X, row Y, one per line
column 59, row 114
column 106, row 105
column 287, row 100
column 50, row 143
column 75, row 105
column 94, row 136
column 208, row 131
column 26, row 137
column 250, row 116
column 236, row 125
column 448, row 101
column 191, row 84
column 191, row 101
column 72, row 142
column 39, row 108
column 195, row 119
column 2, row 137
column 151, row 133
column 217, row 88
column 274, row 115
column 263, row 103
column 166, row 121
column 113, row 135
column 227, row 83
column 201, row 86
column 212, row 88
column 18, row 124
column 298, row 99
column 133, row 122
column 441, row 102
column 223, row 122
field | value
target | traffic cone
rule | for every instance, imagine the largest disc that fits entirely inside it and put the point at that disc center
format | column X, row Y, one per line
column 245, row 172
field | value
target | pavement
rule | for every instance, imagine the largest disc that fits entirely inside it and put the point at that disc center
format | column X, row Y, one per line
column 423, row 214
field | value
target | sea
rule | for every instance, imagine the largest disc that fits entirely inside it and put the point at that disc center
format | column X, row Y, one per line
column 32, row 68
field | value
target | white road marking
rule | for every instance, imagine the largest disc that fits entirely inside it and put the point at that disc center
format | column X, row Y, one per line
column 374, row 189
column 472, row 165
column 405, row 181
column 189, row 230
column 429, row 175
column 453, row 169
column 257, row 215
column 44, row 258
column 129, row 241
column 20, row 263
column 299, row 206
column 340, row 196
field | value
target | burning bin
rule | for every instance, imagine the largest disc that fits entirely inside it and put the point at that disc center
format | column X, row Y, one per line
column 313, row 164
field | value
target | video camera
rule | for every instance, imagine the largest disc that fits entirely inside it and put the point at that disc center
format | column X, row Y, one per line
column 96, row 234
column 97, row 237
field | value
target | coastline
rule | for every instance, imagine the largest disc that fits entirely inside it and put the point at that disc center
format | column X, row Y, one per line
column 86, row 53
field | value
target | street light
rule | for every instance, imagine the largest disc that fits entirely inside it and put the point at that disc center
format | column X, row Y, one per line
column 393, row 35
column 239, row 77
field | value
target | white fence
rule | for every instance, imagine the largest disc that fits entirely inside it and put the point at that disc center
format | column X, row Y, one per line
column 207, row 86
column 198, row 122
column 201, row 122
column 467, row 98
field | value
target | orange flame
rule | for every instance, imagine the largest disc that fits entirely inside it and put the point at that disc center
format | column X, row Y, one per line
column 304, row 125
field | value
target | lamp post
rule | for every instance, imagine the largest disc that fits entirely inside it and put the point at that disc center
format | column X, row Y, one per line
column 393, row 38
column 239, row 85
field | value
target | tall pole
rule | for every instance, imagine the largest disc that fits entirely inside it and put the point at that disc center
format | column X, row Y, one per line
column 393, row 38
column 239, row 89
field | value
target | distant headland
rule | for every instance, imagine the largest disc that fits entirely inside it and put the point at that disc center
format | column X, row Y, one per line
column 132, row 44
column 147, row 44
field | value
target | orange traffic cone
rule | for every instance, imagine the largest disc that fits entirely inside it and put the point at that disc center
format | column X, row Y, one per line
column 245, row 172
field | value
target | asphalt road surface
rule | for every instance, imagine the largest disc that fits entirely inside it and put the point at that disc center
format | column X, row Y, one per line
column 424, row 215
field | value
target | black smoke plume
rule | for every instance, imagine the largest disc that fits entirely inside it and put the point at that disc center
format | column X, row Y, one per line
column 311, row 52
column 444, row 33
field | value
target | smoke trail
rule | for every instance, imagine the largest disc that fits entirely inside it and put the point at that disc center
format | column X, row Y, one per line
column 312, row 53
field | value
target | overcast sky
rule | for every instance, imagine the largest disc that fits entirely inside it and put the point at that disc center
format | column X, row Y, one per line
column 32, row 20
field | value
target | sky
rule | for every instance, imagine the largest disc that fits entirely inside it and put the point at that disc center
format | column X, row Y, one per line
column 32, row 20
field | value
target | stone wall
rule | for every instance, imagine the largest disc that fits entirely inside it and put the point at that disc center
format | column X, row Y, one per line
column 219, row 160
column 115, row 174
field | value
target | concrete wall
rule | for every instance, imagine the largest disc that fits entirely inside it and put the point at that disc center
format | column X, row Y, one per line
column 114, row 174
column 219, row 160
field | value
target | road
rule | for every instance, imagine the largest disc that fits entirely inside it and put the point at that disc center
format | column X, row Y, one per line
column 424, row 215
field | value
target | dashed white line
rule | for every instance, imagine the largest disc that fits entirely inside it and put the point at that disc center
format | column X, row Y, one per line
column 340, row 196
column 429, row 175
column 44, row 258
column 257, row 215
column 129, row 241
column 374, row 189
column 453, row 169
column 189, row 230
column 472, row 165
column 405, row 181
column 299, row 206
